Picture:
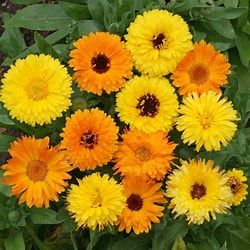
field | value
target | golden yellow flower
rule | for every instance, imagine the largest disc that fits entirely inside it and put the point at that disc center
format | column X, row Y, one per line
column 144, row 154
column 238, row 187
column 202, row 69
column 158, row 40
column 144, row 204
column 90, row 138
column 35, row 172
column 207, row 120
column 101, row 62
column 198, row 189
column 36, row 90
column 96, row 201
column 148, row 104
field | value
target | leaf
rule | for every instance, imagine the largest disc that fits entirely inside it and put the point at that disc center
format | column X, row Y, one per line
column 218, row 13
column 96, row 10
column 231, row 3
column 76, row 11
column 246, row 28
column 95, row 235
column 5, row 190
column 40, row 17
column 25, row 1
column 43, row 46
column 87, row 26
column 243, row 47
column 164, row 239
column 15, row 241
column 43, row 216
column 4, row 117
column 5, row 141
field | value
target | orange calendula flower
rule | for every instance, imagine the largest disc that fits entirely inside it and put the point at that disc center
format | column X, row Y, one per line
column 90, row 138
column 101, row 62
column 143, row 204
column 201, row 70
column 36, row 173
column 144, row 154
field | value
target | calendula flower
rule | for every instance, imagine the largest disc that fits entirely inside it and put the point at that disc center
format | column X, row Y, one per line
column 96, row 201
column 158, row 40
column 148, row 104
column 202, row 69
column 89, row 138
column 144, row 154
column 101, row 62
column 238, row 187
column 207, row 120
column 35, row 172
column 36, row 90
column 144, row 204
column 198, row 189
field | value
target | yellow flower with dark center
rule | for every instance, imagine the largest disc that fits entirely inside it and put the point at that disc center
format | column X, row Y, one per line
column 158, row 40
column 96, row 201
column 101, row 62
column 36, row 90
column 148, row 104
column 238, row 187
column 201, row 70
column 35, row 172
column 90, row 138
column 144, row 154
column 207, row 120
column 144, row 204
column 199, row 190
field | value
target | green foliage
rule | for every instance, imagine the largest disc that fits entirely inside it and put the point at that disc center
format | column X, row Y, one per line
column 54, row 28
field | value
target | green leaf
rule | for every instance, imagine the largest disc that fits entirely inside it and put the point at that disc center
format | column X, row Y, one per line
column 25, row 1
column 4, row 117
column 164, row 239
column 43, row 216
column 231, row 3
column 76, row 11
column 219, row 13
column 87, row 26
column 5, row 141
column 5, row 190
column 246, row 28
column 243, row 47
column 95, row 235
column 179, row 244
column 40, row 17
column 15, row 241
column 43, row 46
column 96, row 10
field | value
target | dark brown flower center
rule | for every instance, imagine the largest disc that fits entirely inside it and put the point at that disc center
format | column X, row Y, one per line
column 234, row 184
column 100, row 63
column 89, row 139
column 134, row 202
column 37, row 170
column 148, row 105
column 197, row 191
column 158, row 41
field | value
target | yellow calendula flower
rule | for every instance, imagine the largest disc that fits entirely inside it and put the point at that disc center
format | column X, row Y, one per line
column 207, row 120
column 238, row 187
column 158, row 40
column 36, row 90
column 199, row 190
column 148, row 104
column 96, row 201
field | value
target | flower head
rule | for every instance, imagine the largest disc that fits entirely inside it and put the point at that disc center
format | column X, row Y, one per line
column 198, row 189
column 96, row 201
column 202, row 69
column 238, row 188
column 36, row 90
column 207, row 120
column 148, row 104
column 89, row 138
column 158, row 40
column 35, row 172
column 101, row 62
column 144, row 154
column 144, row 204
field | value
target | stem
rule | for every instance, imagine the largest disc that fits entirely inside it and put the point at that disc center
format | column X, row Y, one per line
column 73, row 239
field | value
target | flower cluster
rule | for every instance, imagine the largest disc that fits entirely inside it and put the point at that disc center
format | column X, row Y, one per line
column 37, row 90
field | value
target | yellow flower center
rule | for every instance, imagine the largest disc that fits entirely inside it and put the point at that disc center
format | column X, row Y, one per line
column 37, row 170
column 206, row 121
column 198, row 191
column 96, row 200
column 234, row 184
column 143, row 153
column 159, row 41
column 37, row 91
column 198, row 74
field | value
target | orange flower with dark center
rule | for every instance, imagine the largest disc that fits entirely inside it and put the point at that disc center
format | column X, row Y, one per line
column 140, row 153
column 144, row 204
column 35, row 172
column 90, row 138
column 201, row 70
column 101, row 62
